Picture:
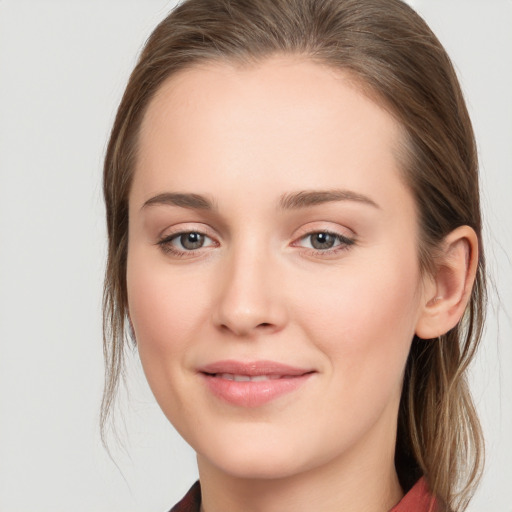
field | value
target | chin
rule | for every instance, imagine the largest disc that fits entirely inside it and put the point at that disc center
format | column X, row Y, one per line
column 266, row 467
column 258, row 457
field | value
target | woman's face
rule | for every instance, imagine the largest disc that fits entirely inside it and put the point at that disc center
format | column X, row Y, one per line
column 273, row 278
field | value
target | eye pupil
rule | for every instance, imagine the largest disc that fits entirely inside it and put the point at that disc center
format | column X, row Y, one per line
column 192, row 240
column 322, row 240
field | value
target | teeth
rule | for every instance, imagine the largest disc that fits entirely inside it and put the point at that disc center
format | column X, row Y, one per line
column 259, row 378
column 247, row 378
column 242, row 378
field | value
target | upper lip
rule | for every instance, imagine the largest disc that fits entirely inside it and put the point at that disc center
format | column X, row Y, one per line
column 253, row 368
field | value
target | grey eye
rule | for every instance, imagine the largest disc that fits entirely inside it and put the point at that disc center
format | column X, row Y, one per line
column 191, row 241
column 322, row 240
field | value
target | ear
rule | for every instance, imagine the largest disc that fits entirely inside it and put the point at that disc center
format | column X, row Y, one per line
column 448, row 291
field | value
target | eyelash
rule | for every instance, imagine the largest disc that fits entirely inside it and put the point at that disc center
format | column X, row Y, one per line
column 343, row 244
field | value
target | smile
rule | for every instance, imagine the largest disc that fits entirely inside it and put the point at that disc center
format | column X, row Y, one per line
column 252, row 384
column 248, row 378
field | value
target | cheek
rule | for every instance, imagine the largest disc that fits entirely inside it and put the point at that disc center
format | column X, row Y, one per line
column 166, row 312
column 363, row 318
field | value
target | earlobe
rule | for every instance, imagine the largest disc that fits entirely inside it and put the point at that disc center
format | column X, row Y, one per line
column 451, row 285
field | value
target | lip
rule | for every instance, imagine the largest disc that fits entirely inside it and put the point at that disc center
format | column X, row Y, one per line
column 231, row 381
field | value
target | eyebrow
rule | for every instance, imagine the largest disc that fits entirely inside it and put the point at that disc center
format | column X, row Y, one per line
column 192, row 201
column 290, row 201
column 306, row 198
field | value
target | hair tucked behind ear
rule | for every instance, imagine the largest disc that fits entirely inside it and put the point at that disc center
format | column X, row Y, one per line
column 400, row 63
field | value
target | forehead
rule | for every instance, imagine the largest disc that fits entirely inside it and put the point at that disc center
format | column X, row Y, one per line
column 283, row 120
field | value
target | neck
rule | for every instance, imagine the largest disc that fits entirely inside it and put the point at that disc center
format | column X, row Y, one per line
column 347, row 484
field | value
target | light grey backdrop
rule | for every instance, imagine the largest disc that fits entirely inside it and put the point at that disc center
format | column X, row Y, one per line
column 63, row 66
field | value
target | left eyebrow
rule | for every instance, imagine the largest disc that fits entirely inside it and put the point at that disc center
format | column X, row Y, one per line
column 307, row 198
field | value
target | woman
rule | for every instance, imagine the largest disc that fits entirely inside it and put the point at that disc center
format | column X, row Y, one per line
column 294, row 238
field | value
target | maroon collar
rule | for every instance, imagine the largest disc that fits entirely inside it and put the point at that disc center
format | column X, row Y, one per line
column 418, row 499
column 191, row 502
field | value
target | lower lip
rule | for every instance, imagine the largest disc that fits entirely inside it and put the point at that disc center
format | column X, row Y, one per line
column 253, row 394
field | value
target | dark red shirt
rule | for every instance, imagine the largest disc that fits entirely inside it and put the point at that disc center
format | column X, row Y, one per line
column 418, row 499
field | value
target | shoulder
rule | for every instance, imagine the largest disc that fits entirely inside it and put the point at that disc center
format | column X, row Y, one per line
column 191, row 502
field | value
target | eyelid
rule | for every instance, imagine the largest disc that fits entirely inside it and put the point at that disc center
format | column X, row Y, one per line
column 187, row 227
column 325, row 227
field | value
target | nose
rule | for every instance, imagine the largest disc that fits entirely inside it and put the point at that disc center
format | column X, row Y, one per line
column 250, row 299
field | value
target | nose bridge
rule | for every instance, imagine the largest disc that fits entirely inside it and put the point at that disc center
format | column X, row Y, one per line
column 248, row 297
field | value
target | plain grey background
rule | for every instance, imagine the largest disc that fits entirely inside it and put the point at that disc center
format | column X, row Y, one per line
column 63, row 67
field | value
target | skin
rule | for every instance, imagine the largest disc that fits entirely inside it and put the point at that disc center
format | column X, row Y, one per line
column 244, row 138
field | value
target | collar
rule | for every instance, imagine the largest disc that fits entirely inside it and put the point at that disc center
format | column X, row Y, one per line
column 418, row 499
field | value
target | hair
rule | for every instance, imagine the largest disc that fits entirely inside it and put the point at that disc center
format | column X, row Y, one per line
column 396, row 58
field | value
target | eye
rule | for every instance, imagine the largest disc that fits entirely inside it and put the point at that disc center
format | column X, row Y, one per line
column 190, row 241
column 325, row 241
column 185, row 242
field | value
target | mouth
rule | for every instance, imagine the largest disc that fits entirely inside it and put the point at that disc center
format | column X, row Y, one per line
column 248, row 378
column 252, row 384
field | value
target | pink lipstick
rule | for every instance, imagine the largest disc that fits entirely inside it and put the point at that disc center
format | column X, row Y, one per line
column 252, row 384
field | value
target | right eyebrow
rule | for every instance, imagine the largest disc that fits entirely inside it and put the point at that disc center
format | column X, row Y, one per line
column 193, row 201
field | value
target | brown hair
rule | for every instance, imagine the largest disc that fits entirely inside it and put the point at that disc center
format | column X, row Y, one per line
column 390, row 50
